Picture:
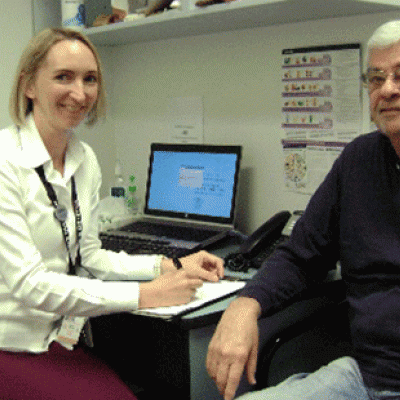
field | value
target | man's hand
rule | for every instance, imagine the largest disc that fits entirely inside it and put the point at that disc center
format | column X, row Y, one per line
column 234, row 346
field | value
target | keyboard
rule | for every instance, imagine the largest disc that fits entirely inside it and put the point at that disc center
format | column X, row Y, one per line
column 139, row 245
column 193, row 234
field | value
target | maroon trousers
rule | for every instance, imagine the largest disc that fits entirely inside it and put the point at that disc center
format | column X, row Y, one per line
column 59, row 374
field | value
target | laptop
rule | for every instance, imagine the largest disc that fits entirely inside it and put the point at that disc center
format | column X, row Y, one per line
column 190, row 195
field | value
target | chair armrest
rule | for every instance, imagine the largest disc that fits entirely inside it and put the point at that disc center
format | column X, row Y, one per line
column 299, row 317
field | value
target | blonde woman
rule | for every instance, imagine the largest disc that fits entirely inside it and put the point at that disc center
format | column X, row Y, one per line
column 53, row 273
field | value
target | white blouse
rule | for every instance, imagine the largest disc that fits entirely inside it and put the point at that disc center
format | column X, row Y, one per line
column 35, row 290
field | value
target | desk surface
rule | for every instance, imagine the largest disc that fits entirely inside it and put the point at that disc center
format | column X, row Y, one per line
column 210, row 314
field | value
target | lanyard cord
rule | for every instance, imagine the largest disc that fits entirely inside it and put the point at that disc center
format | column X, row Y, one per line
column 61, row 215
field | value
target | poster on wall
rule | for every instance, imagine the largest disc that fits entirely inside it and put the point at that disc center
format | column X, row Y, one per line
column 321, row 110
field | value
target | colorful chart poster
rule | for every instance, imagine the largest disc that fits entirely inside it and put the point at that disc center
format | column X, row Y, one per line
column 321, row 110
column 306, row 163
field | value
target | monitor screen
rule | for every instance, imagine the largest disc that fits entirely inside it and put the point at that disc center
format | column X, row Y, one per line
column 193, row 181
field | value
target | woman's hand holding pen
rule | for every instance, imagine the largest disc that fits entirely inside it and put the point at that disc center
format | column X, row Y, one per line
column 169, row 289
column 176, row 287
column 201, row 265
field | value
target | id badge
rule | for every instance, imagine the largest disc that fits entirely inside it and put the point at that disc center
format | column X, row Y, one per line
column 70, row 330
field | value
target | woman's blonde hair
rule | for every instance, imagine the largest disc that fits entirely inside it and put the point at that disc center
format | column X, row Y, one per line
column 32, row 59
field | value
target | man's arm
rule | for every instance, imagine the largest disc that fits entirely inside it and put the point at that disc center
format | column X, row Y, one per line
column 234, row 346
column 302, row 262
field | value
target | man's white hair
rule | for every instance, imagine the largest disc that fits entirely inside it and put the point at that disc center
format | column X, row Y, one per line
column 385, row 36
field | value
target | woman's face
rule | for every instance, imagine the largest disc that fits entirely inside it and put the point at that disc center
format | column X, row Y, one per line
column 65, row 87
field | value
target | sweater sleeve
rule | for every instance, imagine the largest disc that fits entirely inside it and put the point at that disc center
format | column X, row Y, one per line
column 310, row 253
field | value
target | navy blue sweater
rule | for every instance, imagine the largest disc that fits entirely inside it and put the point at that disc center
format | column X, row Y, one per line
column 353, row 217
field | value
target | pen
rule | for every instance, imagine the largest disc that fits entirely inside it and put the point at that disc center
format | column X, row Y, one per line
column 177, row 263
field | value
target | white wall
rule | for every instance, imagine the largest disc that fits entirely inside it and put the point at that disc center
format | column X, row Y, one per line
column 14, row 36
column 19, row 20
column 45, row 13
column 238, row 75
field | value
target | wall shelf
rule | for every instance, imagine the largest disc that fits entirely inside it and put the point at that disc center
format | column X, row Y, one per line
column 239, row 14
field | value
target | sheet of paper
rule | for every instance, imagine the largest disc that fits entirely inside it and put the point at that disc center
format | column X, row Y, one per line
column 186, row 119
column 207, row 293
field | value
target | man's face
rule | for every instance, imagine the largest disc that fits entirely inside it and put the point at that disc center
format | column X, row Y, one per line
column 385, row 98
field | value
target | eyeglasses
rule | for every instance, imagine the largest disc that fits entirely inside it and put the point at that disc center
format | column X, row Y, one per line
column 375, row 79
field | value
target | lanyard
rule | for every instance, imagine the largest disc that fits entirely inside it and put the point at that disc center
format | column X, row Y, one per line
column 60, row 214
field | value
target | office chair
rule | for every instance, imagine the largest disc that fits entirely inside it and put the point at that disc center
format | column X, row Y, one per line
column 304, row 336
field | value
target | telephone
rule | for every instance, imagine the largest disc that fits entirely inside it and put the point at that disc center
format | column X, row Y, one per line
column 260, row 244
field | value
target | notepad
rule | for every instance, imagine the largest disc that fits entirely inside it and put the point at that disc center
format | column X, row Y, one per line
column 206, row 294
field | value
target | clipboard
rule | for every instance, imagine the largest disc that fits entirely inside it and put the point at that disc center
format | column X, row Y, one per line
column 210, row 292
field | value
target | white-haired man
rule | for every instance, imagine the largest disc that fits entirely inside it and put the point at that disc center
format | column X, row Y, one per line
column 354, row 218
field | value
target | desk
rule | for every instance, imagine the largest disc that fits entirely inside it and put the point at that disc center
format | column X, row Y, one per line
column 163, row 357
column 168, row 358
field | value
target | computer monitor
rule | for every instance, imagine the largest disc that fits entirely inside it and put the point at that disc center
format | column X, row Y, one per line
column 193, row 181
